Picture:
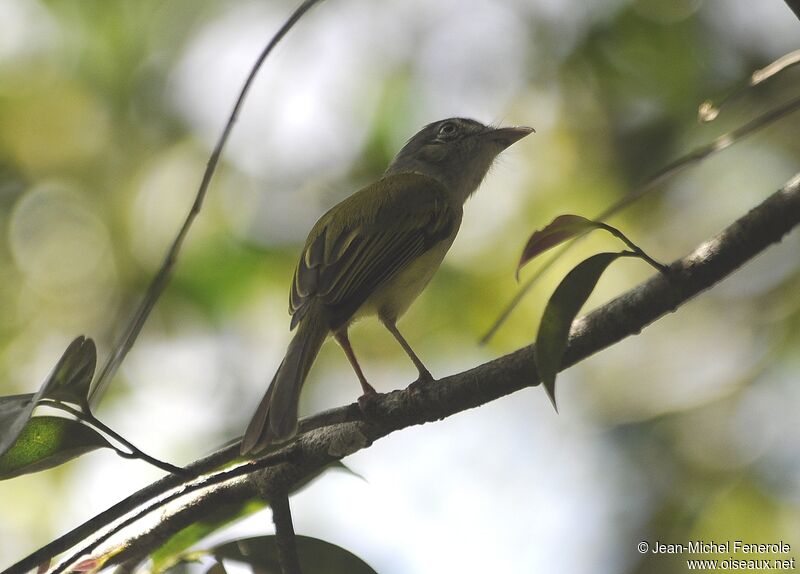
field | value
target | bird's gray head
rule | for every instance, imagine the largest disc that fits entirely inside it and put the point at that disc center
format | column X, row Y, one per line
column 457, row 151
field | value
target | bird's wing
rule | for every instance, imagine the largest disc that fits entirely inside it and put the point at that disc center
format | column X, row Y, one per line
column 366, row 239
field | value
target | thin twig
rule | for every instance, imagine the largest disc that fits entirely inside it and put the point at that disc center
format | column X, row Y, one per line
column 635, row 249
column 86, row 416
column 708, row 111
column 137, row 452
column 696, row 156
column 285, row 539
column 164, row 273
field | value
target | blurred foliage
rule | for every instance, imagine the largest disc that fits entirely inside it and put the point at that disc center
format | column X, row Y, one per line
column 108, row 111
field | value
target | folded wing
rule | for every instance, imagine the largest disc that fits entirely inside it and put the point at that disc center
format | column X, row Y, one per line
column 347, row 257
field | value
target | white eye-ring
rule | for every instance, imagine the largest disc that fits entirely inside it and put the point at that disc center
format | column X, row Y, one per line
column 447, row 129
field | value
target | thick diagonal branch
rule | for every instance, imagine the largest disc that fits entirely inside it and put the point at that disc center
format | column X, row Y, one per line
column 626, row 315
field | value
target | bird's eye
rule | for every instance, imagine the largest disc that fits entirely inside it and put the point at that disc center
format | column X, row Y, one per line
column 448, row 129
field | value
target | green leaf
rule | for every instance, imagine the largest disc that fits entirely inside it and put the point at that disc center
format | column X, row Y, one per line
column 170, row 553
column 560, row 312
column 316, row 556
column 69, row 382
column 46, row 442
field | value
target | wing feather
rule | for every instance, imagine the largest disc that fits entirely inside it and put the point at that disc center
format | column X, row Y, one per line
column 347, row 257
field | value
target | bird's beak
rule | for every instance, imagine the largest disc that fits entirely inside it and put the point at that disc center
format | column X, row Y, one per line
column 507, row 136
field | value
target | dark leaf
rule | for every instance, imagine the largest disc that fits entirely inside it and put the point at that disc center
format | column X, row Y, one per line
column 316, row 556
column 566, row 227
column 73, row 373
column 68, row 382
column 560, row 312
column 46, row 442
column 15, row 410
column 559, row 230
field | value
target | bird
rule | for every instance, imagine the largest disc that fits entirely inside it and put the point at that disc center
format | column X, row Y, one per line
column 373, row 253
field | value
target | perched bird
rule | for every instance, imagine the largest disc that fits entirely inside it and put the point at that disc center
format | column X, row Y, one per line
column 373, row 253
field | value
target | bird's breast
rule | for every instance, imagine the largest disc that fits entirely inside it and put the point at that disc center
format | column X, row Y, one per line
column 395, row 296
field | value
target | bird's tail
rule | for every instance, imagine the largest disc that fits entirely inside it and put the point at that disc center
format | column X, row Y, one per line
column 275, row 420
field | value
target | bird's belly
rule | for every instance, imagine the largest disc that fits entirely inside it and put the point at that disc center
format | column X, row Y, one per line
column 394, row 297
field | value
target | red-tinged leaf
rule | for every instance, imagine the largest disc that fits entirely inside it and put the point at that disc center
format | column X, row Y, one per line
column 560, row 312
column 88, row 565
column 96, row 563
column 559, row 230
column 315, row 556
column 566, row 227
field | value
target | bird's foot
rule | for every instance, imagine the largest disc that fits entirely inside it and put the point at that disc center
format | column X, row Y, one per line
column 367, row 388
column 367, row 404
column 424, row 378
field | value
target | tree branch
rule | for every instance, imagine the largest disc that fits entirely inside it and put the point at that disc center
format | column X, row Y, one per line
column 350, row 431
column 138, row 500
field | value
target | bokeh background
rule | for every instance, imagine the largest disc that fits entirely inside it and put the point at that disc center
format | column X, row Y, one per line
column 108, row 111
